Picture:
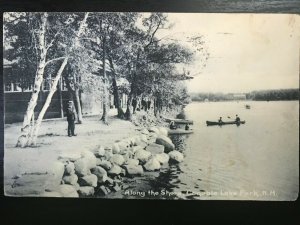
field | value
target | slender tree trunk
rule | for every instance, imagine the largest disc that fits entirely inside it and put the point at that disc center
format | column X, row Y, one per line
column 155, row 106
column 71, row 98
column 33, row 139
column 79, row 111
column 60, row 98
column 128, row 114
column 78, row 105
column 26, row 128
column 105, row 88
column 117, row 99
column 116, row 91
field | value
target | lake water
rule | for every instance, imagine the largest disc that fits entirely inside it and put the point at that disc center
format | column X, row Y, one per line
column 255, row 161
column 258, row 160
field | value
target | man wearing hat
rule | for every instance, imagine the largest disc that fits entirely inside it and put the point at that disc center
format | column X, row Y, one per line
column 71, row 119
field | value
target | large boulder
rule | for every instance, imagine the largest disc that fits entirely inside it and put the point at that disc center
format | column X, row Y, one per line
column 86, row 191
column 133, row 162
column 82, row 167
column 133, row 170
column 108, row 154
column 166, row 142
column 70, row 179
column 176, row 156
column 100, row 173
column 152, row 138
column 100, row 152
column 144, row 138
column 105, row 164
column 88, row 180
column 127, row 155
column 127, row 141
column 57, row 170
column 123, row 146
column 68, row 191
column 115, row 148
column 135, row 148
column 130, row 141
column 154, row 130
column 117, row 159
column 142, row 155
column 104, row 190
column 69, row 168
column 137, row 140
column 152, row 164
column 115, row 170
column 163, row 158
column 69, row 156
column 145, row 131
column 155, row 148
column 30, row 185
column 163, row 131
column 90, row 158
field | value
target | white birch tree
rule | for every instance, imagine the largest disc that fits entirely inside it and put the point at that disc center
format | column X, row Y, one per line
column 33, row 139
column 42, row 49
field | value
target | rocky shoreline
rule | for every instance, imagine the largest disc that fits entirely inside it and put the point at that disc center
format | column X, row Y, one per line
column 101, row 171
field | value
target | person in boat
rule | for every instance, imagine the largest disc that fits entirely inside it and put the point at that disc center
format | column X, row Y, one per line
column 187, row 127
column 172, row 125
column 237, row 119
column 220, row 120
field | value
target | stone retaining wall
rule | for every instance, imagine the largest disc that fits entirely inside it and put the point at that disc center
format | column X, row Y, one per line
column 101, row 171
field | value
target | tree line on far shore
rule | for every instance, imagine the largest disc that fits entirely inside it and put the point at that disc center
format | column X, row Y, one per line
column 264, row 95
column 93, row 52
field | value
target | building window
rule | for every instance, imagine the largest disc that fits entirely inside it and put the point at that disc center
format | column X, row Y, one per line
column 8, row 87
column 13, row 87
column 28, row 89
column 64, row 85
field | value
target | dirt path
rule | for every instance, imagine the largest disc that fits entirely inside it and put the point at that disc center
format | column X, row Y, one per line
column 53, row 141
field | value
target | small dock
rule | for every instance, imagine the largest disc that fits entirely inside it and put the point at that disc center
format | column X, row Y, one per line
column 179, row 121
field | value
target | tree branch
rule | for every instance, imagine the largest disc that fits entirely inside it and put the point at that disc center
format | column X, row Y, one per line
column 152, row 36
column 51, row 43
column 52, row 60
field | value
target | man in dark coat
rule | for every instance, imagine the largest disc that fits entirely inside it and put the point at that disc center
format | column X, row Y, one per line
column 71, row 120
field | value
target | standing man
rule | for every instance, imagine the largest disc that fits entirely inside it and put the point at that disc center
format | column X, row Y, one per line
column 71, row 119
column 237, row 119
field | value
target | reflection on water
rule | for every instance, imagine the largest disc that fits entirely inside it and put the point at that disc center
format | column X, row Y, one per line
column 179, row 141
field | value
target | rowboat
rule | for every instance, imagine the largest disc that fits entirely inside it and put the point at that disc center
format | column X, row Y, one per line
column 180, row 131
column 211, row 123
column 179, row 121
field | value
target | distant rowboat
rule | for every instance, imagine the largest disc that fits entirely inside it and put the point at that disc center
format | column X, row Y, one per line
column 211, row 123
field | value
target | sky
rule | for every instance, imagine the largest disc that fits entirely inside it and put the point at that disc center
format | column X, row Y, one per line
column 246, row 51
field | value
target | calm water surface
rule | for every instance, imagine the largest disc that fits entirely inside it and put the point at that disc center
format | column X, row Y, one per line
column 256, row 161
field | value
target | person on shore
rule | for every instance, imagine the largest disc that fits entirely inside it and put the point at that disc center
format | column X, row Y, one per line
column 187, row 127
column 237, row 119
column 220, row 120
column 71, row 120
column 134, row 104
column 172, row 125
